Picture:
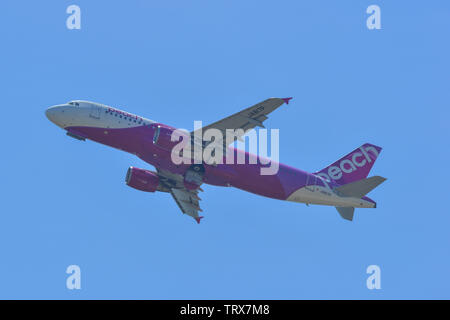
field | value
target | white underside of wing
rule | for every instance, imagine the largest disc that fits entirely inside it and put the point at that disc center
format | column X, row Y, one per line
column 187, row 201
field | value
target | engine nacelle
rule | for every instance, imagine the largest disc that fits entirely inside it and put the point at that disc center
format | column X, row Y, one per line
column 142, row 179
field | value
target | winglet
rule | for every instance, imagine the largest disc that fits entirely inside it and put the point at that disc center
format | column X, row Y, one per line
column 286, row 100
column 198, row 219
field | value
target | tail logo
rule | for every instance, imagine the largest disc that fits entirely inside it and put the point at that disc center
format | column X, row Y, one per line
column 354, row 161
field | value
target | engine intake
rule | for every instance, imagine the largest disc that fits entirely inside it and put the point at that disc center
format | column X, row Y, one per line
column 142, row 179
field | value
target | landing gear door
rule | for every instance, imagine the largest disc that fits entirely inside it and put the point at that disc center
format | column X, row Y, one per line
column 95, row 112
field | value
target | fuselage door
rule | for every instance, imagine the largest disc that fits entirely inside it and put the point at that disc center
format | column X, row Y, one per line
column 156, row 134
column 162, row 138
column 95, row 112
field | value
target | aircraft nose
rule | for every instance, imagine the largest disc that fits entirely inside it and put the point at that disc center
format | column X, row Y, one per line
column 50, row 113
column 54, row 114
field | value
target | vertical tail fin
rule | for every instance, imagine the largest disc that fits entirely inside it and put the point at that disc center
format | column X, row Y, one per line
column 352, row 167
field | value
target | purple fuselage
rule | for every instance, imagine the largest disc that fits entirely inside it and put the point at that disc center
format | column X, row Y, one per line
column 139, row 141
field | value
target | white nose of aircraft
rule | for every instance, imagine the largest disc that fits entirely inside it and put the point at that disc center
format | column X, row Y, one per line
column 56, row 114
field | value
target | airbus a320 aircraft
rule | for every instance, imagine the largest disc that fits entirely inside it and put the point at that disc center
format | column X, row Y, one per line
column 343, row 184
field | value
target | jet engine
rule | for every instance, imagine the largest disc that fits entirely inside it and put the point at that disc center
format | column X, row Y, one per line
column 143, row 180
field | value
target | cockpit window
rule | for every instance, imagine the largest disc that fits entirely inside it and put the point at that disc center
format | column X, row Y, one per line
column 72, row 103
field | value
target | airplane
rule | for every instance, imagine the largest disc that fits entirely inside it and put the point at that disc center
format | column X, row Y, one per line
column 343, row 184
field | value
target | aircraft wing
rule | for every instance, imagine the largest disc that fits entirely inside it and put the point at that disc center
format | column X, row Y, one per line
column 246, row 119
column 187, row 200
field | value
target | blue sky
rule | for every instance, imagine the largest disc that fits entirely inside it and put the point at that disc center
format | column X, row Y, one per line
column 65, row 202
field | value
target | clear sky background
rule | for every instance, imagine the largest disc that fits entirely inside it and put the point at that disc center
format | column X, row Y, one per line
column 65, row 202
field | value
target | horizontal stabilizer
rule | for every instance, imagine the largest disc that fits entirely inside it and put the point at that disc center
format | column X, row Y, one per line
column 346, row 212
column 360, row 188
